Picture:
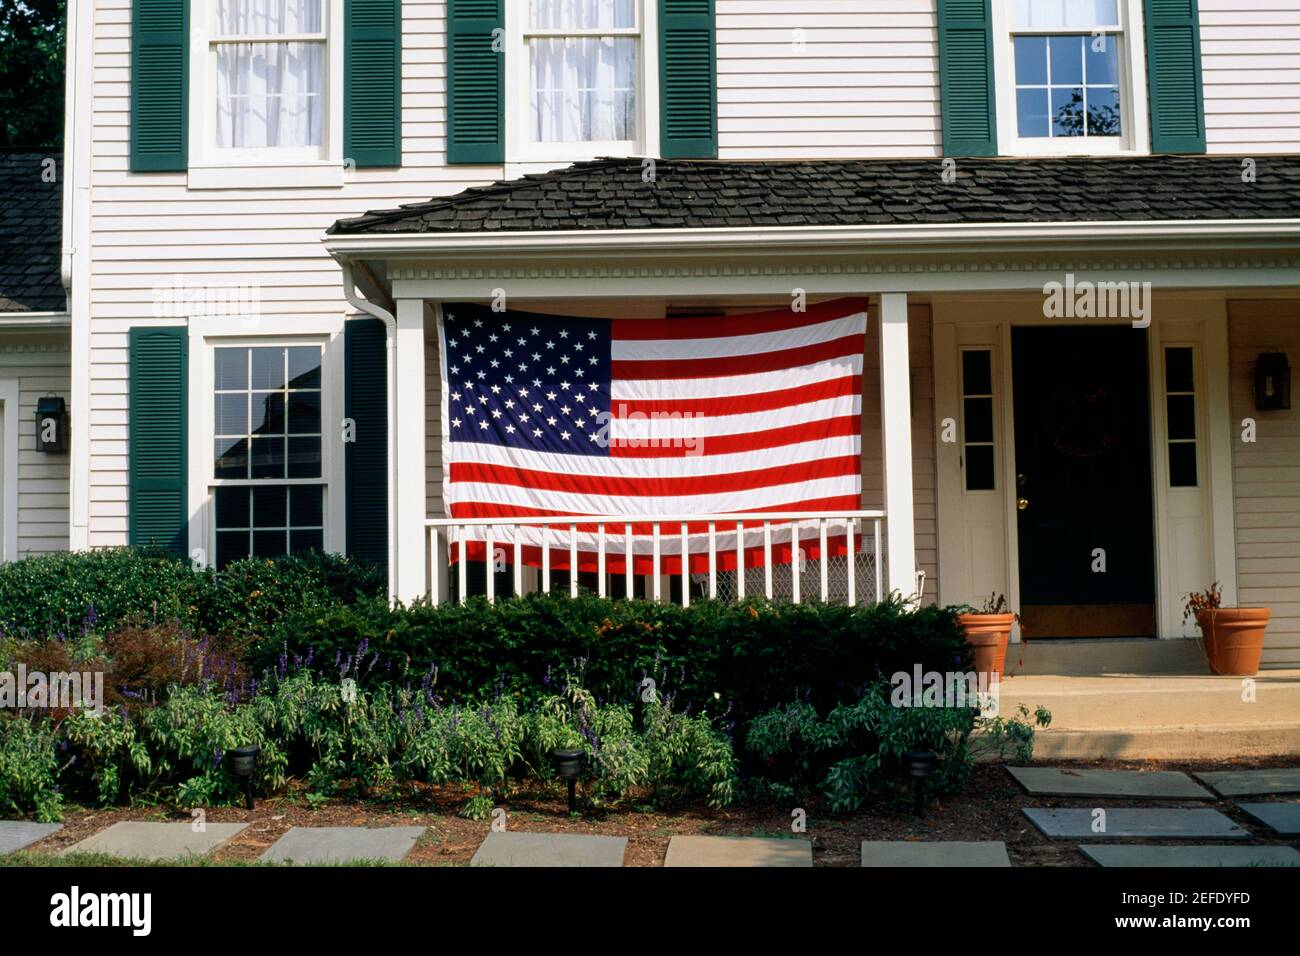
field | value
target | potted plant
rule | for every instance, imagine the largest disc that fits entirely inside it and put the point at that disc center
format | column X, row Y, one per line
column 1233, row 637
column 988, row 631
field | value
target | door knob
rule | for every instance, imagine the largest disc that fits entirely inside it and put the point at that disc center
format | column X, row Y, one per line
column 1022, row 503
column 1020, row 481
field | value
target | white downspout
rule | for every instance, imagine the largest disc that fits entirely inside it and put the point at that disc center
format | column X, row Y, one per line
column 390, row 329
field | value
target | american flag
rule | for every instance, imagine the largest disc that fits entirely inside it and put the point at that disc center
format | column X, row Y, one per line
column 559, row 415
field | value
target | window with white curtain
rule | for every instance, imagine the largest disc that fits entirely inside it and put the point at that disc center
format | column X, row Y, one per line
column 270, row 60
column 583, row 69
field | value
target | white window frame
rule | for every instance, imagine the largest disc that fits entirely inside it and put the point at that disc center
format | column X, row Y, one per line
column 269, row 167
column 205, row 336
column 520, row 147
column 9, row 431
column 1134, row 139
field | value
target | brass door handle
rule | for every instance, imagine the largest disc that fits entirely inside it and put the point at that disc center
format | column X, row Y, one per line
column 1022, row 503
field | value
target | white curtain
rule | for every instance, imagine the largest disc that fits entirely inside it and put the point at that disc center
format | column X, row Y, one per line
column 584, row 89
column 270, row 94
column 1065, row 13
column 581, row 14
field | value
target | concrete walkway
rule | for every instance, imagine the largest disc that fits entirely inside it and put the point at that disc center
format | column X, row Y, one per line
column 1177, row 716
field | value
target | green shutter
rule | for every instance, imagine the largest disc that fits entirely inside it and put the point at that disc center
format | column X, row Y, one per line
column 159, row 510
column 365, row 376
column 372, row 82
column 475, row 81
column 688, row 86
column 967, row 99
column 1173, row 36
column 160, row 85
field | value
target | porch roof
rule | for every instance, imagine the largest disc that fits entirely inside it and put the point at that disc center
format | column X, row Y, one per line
column 615, row 194
column 31, row 214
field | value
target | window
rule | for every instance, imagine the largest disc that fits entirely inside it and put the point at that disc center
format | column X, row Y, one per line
column 577, row 77
column 1180, row 410
column 977, row 419
column 1070, row 82
column 267, row 457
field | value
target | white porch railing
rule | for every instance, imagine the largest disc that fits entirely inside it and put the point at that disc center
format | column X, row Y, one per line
column 669, row 535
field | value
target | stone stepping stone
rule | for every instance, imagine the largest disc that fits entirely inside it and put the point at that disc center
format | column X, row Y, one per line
column 1252, row 783
column 1137, row 824
column 1110, row 855
column 938, row 853
column 312, row 846
column 156, row 841
column 519, row 848
column 737, row 851
column 16, row 834
column 1283, row 818
column 1127, row 784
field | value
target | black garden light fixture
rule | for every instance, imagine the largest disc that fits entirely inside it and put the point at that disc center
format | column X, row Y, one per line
column 570, row 764
column 1272, row 382
column 51, row 424
column 919, row 764
column 243, row 760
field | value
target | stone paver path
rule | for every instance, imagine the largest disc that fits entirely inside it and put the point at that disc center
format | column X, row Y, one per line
column 517, row 848
column 1107, row 855
column 1125, row 784
column 917, row 853
column 1283, row 818
column 316, row 845
column 16, row 834
column 156, row 841
column 1253, row 783
column 1146, row 823
column 737, row 851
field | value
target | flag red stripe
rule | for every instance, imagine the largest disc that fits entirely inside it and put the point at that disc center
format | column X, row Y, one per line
column 665, row 369
column 742, row 404
column 748, row 441
column 724, row 326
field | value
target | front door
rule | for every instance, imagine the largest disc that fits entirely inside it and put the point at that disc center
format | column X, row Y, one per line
column 1083, row 481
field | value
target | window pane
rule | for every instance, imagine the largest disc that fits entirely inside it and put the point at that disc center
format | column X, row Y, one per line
column 979, row 468
column 583, row 89
column 231, row 546
column 976, row 373
column 270, row 544
column 304, row 413
column 1066, row 54
column 1103, row 111
column 268, row 413
column 231, row 458
column 1182, row 465
column 1102, row 64
column 304, row 367
column 270, row 506
column 232, row 508
column 263, row 17
column 1178, row 370
column 979, row 419
column 270, row 94
column 564, row 14
column 232, row 414
column 268, row 368
column 304, row 458
column 1067, row 112
column 308, row 540
column 1065, row 13
column 1031, row 113
column 1031, row 61
column 305, row 509
column 1182, row 416
column 231, row 368
column 267, row 458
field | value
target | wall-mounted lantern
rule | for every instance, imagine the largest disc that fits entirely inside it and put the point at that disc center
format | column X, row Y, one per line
column 1272, row 382
column 51, row 425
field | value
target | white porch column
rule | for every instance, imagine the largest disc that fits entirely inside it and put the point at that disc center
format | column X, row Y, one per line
column 408, row 523
column 896, row 442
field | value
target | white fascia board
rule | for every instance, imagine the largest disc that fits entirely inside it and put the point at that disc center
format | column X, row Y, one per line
column 35, row 320
column 783, row 238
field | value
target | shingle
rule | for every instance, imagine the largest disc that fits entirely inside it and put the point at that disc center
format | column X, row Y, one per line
column 31, row 223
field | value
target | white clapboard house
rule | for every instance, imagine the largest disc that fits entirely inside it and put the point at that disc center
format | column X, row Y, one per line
column 1073, row 227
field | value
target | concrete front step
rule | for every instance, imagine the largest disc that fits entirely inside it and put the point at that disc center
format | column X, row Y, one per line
column 1171, row 716
column 1095, row 657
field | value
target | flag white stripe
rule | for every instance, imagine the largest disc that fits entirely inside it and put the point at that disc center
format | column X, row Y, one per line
column 726, row 386
column 759, row 343
column 701, row 427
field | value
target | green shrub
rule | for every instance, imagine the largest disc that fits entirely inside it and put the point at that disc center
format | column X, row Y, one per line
column 29, row 769
column 737, row 660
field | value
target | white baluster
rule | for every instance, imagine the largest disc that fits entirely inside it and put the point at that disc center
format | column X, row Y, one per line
column 686, row 569
column 823, row 562
column 767, row 559
column 600, row 561
column 434, row 573
column 740, row 560
column 546, row 559
column 490, row 564
column 463, row 580
column 853, row 571
column 713, row 560
column 655, row 573
column 573, row 560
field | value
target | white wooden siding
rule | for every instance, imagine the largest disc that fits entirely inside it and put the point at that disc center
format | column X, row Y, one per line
column 1266, row 476
column 41, row 364
column 1250, row 66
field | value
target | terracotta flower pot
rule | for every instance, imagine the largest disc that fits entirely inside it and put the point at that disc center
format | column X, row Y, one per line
column 1234, row 638
column 988, row 635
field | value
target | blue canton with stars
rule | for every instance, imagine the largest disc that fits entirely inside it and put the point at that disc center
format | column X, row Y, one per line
column 522, row 380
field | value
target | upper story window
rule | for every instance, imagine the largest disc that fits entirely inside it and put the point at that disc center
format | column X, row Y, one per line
column 1070, row 77
column 576, row 78
column 270, row 74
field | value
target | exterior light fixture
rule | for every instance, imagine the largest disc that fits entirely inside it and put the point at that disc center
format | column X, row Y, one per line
column 51, row 424
column 243, row 760
column 1272, row 382
column 569, row 764
column 919, row 764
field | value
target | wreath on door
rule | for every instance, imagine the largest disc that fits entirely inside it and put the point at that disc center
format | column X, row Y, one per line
column 1084, row 422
